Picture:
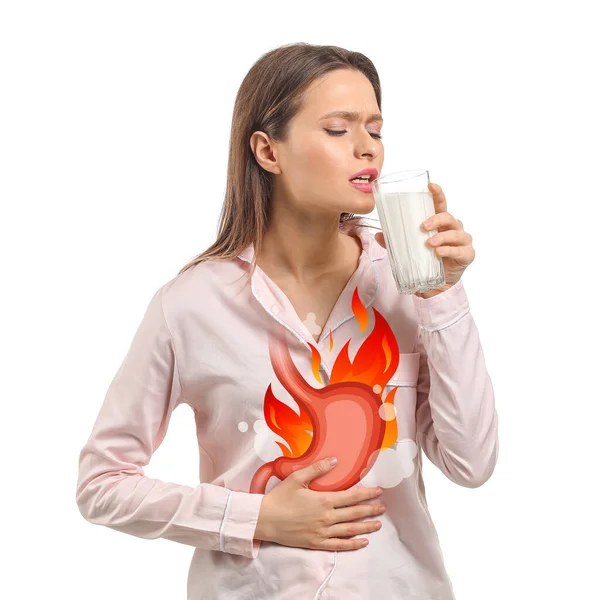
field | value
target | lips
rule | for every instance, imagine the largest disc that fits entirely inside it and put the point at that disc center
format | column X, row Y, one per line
column 372, row 173
column 363, row 187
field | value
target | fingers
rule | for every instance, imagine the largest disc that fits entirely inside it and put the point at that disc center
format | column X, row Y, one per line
column 452, row 237
column 461, row 254
column 339, row 545
column 441, row 219
column 351, row 513
column 307, row 474
column 344, row 530
column 334, row 535
column 439, row 198
column 350, row 497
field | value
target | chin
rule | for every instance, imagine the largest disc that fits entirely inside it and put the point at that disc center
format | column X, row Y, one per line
column 361, row 208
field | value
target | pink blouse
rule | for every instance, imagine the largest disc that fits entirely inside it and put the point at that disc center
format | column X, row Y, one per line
column 391, row 375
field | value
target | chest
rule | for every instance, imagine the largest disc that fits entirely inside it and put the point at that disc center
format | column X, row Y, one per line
column 226, row 364
column 315, row 302
column 314, row 306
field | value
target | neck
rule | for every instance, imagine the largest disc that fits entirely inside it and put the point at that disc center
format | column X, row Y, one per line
column 304, row 248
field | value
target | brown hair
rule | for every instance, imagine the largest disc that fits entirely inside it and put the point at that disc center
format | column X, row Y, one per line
column 269, row 97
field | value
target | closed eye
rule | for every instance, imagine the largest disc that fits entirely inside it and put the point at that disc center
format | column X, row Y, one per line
column 377, row 136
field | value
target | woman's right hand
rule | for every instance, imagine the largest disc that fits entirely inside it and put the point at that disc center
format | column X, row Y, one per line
column 291, row 514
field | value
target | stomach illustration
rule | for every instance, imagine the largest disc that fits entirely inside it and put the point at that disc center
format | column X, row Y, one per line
column 347, row 418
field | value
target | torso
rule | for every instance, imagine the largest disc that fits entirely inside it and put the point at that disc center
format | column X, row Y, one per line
column 320, row 299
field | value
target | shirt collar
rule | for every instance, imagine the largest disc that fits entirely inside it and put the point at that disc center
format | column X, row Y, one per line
column 279, row 307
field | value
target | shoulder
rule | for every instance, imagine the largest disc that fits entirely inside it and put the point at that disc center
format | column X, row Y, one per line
column 201, row 287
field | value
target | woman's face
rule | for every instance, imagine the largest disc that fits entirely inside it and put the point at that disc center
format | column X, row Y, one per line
column 322, row 152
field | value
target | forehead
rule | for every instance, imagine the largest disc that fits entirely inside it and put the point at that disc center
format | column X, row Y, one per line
column 342, row 93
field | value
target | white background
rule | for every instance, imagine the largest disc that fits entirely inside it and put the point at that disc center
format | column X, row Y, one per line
column 114, row 131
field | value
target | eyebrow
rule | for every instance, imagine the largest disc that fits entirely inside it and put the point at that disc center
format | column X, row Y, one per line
column 351, row 116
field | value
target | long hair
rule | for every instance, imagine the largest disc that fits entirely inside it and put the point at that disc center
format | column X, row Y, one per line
column 269, row 97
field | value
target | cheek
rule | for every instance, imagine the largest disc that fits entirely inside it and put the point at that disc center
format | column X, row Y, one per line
column 326, row 158
column 319, row 166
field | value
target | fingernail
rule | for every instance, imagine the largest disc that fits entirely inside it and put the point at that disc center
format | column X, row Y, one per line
column 379, row 491
column 428, row 224
column 333, row 460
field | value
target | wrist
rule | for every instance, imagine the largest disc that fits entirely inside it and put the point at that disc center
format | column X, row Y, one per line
column 262, row 529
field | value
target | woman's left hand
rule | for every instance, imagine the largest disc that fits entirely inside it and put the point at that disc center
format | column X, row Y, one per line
column 452, row 243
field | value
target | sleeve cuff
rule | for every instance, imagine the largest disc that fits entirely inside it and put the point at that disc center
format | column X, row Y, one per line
column 239, row 524
column 443, row 309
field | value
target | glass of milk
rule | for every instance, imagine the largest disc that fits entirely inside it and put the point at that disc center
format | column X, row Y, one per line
column 403, row 201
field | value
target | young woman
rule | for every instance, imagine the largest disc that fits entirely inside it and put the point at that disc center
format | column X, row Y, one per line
column 291, row 344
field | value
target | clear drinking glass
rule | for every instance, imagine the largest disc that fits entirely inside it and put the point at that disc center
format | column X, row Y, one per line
column 403, row 201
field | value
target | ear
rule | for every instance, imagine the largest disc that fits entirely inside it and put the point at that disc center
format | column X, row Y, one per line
column 264, row 151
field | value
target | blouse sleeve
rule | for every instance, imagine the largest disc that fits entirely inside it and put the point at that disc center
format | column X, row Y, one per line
column 112, row 489
column 457, row 422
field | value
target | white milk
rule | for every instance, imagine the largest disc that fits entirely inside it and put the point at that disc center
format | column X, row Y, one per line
column 414, row 264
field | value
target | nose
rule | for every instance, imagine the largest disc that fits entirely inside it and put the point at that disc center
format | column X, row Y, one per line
column 369, row 146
